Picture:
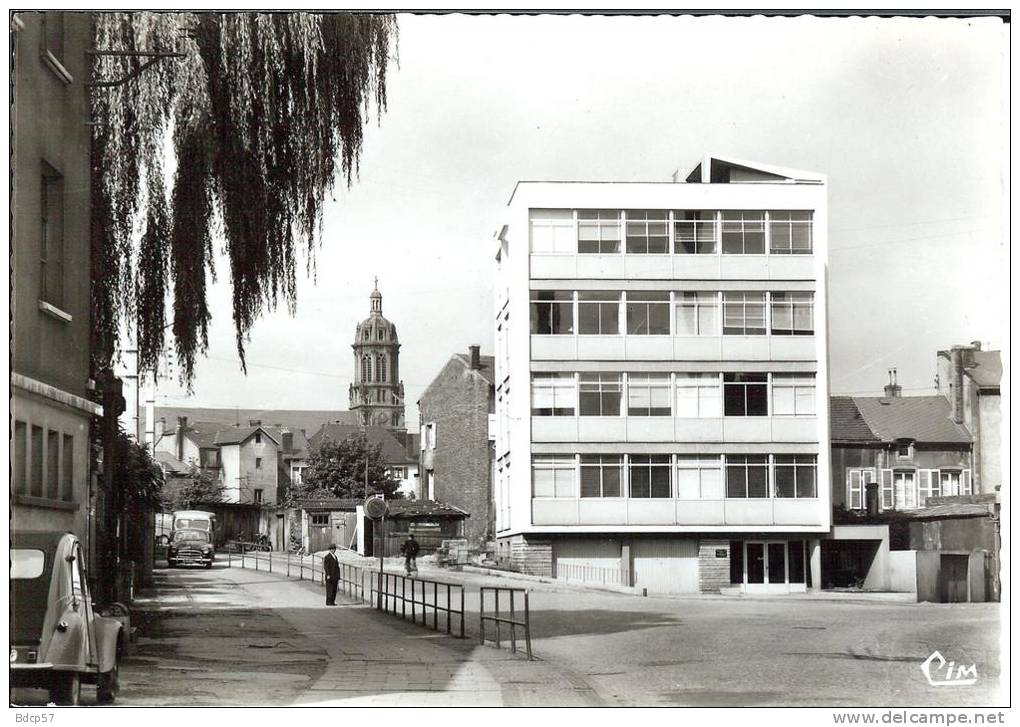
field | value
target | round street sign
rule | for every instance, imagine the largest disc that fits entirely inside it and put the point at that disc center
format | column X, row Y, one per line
column 376, row 507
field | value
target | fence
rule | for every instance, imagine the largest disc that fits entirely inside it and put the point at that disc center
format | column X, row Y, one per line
column 292, row 565
column 515, row 621
column 389, row 592
column 591, row 574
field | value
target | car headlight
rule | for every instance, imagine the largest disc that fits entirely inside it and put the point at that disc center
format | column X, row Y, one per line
column 206, row 549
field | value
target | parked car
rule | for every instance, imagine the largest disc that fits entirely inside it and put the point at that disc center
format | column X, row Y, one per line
column 195, row 520
column 190, row 547
column 58, row 640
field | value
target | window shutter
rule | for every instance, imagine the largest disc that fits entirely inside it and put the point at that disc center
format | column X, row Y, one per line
column 854, row 490
column 887, row 489
column 923, row 486
column 423, row 439
column 965, row 483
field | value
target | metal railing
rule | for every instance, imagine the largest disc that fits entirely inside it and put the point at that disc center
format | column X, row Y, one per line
column 396, row 594
column 518, row 619
column 591, row 574
column 292, row 565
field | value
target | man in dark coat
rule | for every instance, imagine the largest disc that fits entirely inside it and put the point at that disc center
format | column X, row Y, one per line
column 331, row 568
column 410, row 551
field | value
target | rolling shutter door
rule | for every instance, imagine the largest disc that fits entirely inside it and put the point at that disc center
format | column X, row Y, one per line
column 666, row 565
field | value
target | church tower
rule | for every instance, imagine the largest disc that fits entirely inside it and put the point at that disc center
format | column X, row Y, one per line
column 377, row 394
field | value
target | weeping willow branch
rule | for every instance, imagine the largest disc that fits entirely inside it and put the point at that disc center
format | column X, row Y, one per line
column 263, row 114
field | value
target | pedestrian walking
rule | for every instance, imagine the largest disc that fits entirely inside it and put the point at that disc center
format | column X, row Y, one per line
column 331, row 568
column 410, row 551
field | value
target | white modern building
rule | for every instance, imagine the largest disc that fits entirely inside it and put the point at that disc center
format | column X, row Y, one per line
column 661, row 380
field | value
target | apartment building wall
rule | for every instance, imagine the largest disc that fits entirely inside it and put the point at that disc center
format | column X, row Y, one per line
column 522, row 519
column 50, row 272
column 456, row 405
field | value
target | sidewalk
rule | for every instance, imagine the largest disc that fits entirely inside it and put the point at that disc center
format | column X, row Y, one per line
column 376, row 659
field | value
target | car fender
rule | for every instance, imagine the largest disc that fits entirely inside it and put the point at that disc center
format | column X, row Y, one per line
column 108, row 637
column 68, row 648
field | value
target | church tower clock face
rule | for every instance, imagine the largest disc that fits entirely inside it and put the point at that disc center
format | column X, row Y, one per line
column 377, row 393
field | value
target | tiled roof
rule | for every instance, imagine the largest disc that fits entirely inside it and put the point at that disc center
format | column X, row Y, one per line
column 170, row 462
column 237, row 435
column 486, row 366
column 311, row 420
column 921, row 418
column 203, row 434
column 987, row 369
column 942, row 511
column 393, row 452
column 423, row 508
column 331, row 503
column 846, row 423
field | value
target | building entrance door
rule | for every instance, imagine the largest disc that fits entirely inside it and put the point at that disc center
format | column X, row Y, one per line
column 769, row 565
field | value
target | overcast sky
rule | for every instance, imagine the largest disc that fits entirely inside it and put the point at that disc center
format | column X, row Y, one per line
column 906, row 116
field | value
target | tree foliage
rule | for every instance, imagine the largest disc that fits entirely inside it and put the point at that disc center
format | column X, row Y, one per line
column 194, row 489
column 136, row 475
column 265, row 111
column 337, row 469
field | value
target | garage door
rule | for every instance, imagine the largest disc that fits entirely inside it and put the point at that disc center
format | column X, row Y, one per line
column 666, row 565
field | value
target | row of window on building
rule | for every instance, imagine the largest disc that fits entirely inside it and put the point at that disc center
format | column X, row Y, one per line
column 683, row 477
column 680, row 232
column 44, row 462
column 695, row 395
column 697, row 313
column 905, row 489
column 378, row 371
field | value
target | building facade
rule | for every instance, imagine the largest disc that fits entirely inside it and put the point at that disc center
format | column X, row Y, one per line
column 457, row 441
column 377, row 394
column 50, row 409
column 661, row 380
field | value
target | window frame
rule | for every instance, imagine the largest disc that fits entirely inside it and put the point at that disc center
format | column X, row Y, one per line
column 611, row 299
column 700, row 463
column 743, row 300
column 698, row 302
column 604, row 383
column 708, row 381
column 558, row 385
column 746, row 229
column 555, row 463
column 775, row 224
column 782, row 303
column 652, row 384
column 742, row 463
column 604, row 220
column 742, row 381
column 644, row 301
column 602, row 466
column 696, row 240
column 794, row 463
column 642, row 220
column 798, row 383
column 637, row 463
column 562, row 300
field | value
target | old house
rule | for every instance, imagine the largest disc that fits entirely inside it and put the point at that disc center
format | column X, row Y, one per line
column 398, row 455
column 456, row 412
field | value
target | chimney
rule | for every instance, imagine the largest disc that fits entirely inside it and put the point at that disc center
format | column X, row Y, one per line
column 182, row 425
column 976, row 345
column 288, row 441
column 254, row 422
column 476, row 359
column 958, row 359
column 892, row 389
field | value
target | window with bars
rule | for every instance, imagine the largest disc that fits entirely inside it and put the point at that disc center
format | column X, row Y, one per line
column 793, row 394
column 694, row 232
column 790, row 232
column 600, row 394
column 697, row 313
column 699, row 477
column 553, row 395
column 796, row 475
column 601, row 475
column 698, row 395
column 648, row 395
column 598, row 313
column 747, row 476
column 553, row 476
column 552, row 312
column 648, row 314
column 598, row 231
column 745, row 395
column 649, row 476
column 743, row 232
column 743, row 313
column 648, row 232
column 793, row 314
column 552, row 231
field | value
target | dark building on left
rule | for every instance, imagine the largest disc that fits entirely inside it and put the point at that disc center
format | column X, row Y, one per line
column 50, row 406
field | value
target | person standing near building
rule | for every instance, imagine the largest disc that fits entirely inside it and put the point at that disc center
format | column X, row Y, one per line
column 331, row 569
column 410, row 551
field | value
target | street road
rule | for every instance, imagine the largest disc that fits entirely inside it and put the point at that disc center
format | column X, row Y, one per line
column 234, row 636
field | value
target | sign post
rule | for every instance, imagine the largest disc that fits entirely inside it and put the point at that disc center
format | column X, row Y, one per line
column 376, row 509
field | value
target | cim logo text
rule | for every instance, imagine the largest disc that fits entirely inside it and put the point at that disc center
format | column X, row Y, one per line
column 942, row 673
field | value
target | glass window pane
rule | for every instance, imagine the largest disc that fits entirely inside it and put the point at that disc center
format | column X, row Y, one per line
column 736, row 481
column 806, row 482
column 611, row 481
column 785, row 481
column 688, row 484
column 757, row 482
column 711, row 483
column 543, row 482
column 590, row 481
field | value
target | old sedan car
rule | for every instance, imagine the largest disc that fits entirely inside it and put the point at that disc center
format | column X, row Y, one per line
column 58, row 641
column 190, row 547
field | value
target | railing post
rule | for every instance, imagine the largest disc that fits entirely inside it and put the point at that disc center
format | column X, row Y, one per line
column 481, row 614
column 462, row 612
column 403, row 598
column 513, row 624
column 270, row 561
column 435, row 606
column 527, row 624
column 496, row 611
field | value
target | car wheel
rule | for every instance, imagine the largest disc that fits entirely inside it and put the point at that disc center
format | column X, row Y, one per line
column 108, row 685
column 209, row 564
column 67, row 691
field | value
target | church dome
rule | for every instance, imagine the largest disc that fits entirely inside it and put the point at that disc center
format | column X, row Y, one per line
column 375, row 328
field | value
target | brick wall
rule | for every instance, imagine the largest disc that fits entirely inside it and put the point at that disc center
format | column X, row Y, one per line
column 713, row 572
column 457, row 401
column 530, row 554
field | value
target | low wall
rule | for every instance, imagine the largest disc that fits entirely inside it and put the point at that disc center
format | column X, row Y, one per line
column 903, row 571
